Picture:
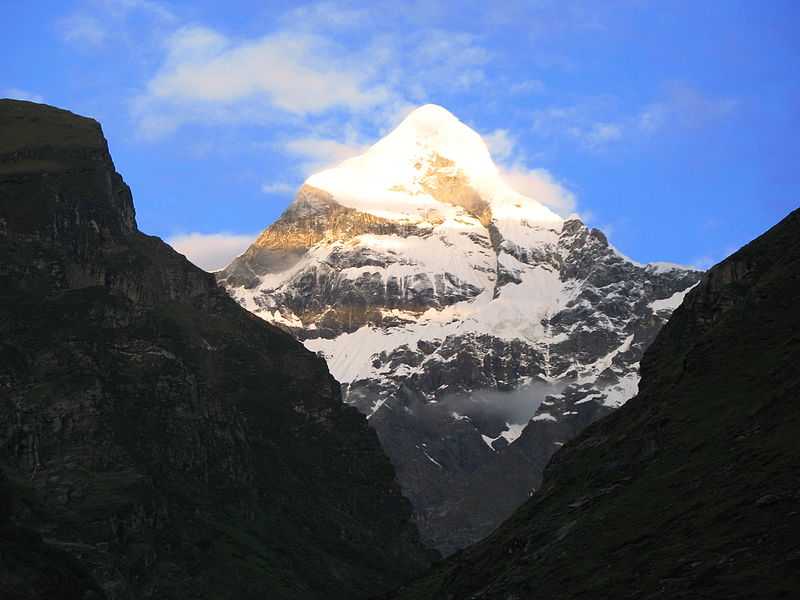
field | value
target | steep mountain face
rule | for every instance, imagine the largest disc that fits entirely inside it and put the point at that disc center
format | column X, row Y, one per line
column 31, row 569
column 692, row 489
column 475, row 328
column 173, row 443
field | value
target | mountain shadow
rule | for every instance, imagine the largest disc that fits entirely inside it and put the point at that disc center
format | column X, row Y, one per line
column 159, row 441
column 690, row 490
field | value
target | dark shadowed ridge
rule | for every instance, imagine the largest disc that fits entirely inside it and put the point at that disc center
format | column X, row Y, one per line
column 692, row 489
column 157, row 440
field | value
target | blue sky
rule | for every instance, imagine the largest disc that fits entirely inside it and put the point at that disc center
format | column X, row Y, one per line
column 672, row 125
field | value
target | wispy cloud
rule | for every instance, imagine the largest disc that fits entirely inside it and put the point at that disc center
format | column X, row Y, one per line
column 96, row 24
column 83, row 30
column 20, row 94
column 501, row 143
column 454, row 57
column 528, row 86
column 683, row 106
column 703, row 263
column 598, row 134
column 211, row 251
column 123, row 8
column 536, row 183
column 325, row 15
column 586, row 123
column 707, row 261
column 540, row 185
column 278, row 187
column 320, row 153
column 596, row 123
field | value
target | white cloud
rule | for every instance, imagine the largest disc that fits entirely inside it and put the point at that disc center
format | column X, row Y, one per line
column 500, row 143
column 290, row 70
column 208, row 77
column 194, row 45
column 300, row 73
column 541, row 186
column 19, row 94
column 537, row 184
column 211, row 251
column 278, row 187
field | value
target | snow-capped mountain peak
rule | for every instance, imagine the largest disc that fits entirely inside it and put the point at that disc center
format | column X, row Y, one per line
column 474, row 327
column 426, row 163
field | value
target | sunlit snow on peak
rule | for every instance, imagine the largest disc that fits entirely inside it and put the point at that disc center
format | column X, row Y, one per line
column 392, row 179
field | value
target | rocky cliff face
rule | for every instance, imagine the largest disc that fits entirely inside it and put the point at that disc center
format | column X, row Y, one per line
column 31, row 569
column 475, row 328
column 176, row 445
column 691, row 489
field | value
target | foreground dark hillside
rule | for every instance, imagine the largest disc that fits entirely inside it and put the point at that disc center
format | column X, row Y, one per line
column 692, row 489
column 157, row 440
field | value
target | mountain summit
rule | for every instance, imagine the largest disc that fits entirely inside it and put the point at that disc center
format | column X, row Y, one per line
column 475, row 328
column 430, row 159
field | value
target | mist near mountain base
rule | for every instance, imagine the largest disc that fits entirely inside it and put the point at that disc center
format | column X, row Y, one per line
column 491, row 410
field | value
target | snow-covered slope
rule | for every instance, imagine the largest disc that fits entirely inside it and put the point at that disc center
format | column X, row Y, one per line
column 399, row 177
column 458, row 314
